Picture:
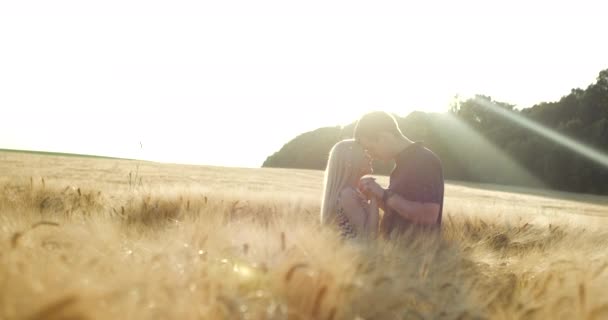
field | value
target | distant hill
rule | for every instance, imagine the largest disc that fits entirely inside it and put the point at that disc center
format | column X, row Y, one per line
column 478, row 145
column 48, row 153
column 308, row 150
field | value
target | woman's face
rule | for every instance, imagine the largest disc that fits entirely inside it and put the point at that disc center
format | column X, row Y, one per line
column 366, row 166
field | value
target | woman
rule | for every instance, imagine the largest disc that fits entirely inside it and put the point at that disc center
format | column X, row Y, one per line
column 343, row 205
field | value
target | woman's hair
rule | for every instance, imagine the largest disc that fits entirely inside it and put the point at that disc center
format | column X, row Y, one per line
column 346, row 159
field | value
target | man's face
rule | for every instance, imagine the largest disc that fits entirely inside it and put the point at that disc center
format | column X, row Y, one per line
column 373, row 148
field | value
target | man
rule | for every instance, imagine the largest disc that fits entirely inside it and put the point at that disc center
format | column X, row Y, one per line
column 415, row 193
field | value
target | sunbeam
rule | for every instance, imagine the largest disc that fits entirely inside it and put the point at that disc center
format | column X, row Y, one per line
column 552, row 135
column 478, row 158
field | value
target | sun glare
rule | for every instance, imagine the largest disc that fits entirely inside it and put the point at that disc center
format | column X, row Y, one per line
column 213, row 74
column 569, row 143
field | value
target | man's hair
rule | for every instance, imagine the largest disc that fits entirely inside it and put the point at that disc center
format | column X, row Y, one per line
column 375, row 122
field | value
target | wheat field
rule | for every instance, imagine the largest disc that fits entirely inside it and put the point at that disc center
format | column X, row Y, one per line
column 84, row 238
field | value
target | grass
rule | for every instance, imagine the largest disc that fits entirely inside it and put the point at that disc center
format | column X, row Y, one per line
column 77, row 241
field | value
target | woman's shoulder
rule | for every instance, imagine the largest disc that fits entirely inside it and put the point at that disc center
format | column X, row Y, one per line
column 351, row 194
column 348, row 192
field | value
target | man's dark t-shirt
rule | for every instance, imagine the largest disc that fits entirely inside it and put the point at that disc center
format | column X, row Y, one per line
column 418, row 177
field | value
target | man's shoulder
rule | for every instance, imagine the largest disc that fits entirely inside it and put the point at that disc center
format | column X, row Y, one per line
column 419, row 163
column 426, row 156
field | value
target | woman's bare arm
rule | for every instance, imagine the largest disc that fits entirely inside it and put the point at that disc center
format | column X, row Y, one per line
column 373, row 218
column 357, row 214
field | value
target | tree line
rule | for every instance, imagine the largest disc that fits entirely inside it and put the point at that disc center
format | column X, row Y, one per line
column 478, row 144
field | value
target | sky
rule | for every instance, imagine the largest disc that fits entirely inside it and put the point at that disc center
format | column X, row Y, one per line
column 229, row 82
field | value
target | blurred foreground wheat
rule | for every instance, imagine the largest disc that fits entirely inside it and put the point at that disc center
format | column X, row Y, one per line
column 78, row 242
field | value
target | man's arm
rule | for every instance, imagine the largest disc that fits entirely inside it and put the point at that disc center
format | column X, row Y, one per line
column 424, row 211
column 417, row 212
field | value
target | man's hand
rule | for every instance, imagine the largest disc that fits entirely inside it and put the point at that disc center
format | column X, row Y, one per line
column 369, row 186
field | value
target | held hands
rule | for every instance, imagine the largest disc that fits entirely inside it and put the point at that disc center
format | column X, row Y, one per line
column 370, row 188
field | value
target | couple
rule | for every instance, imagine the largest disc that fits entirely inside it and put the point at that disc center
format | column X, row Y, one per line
column 351, row 202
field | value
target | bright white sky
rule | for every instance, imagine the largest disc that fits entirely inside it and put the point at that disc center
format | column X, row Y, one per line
column 229, row 82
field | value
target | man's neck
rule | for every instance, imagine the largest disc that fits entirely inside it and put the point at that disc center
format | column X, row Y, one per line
column 401, row 143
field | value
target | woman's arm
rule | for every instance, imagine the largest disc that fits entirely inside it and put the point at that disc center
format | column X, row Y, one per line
column 354, row 210
column 374, row 217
